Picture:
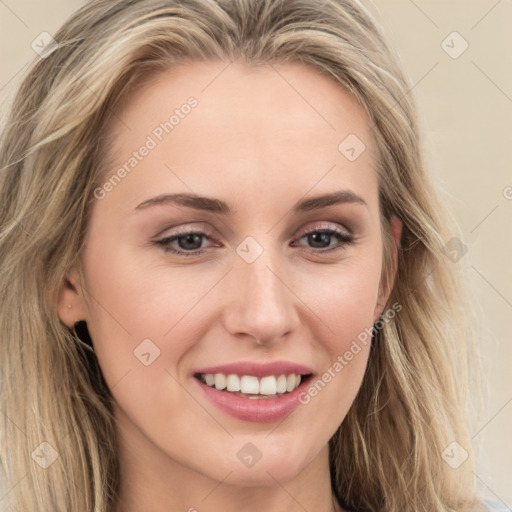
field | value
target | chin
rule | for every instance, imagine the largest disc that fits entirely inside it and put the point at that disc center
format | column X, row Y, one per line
column 264, row 473
column 260, row 461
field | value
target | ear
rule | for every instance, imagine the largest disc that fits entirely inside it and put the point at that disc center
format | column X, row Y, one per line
column 70, row 301
column 384, row 292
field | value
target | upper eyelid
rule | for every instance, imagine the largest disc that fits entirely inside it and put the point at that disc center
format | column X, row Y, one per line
column 325, row 225
column 205, row 231
column 204, row 226
column 185, row 230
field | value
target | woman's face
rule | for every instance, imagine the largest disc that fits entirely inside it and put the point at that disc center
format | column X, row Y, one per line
column 273, row 281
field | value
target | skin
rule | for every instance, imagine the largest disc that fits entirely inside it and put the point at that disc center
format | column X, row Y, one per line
column 260, row 139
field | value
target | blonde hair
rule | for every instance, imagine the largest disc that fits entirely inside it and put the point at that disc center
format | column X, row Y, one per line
column 387, row 453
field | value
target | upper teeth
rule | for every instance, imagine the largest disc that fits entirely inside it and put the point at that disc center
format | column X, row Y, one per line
column 269, row 385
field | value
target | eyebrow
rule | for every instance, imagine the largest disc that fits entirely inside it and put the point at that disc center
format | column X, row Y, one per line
column 210, row 204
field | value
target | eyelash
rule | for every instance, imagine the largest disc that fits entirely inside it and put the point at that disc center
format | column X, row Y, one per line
column 343, row 237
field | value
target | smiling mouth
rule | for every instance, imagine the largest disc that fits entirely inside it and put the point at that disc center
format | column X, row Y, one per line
column 252, row 387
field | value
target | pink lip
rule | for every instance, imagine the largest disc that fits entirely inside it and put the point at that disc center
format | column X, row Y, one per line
column 258, row 369
column 256, row 410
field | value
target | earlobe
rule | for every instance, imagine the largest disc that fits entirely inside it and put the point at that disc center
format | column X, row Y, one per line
column 384, row 292
column 396, row 228
column 70, row 302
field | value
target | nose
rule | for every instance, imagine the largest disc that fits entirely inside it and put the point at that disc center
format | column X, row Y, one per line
column 262, row 303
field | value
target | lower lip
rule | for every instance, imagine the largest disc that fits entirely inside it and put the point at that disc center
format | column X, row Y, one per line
column 256, row 410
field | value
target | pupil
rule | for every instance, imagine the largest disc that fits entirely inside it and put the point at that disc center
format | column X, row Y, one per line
column 193, row 239
column 320, row 238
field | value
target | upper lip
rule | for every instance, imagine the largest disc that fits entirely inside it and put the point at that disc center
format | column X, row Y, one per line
column 258, row 369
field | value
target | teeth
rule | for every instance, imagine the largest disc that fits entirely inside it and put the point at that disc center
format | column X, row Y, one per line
column 220, row 381
column 233, row 383
column 290, row 382
column 281, row 384
column 250, row 385
column 268, row 385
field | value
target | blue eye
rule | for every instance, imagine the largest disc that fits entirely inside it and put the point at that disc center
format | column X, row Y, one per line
column 320, row 239
column 190, row 243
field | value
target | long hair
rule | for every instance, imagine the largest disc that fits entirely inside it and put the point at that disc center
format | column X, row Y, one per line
column 57, row 432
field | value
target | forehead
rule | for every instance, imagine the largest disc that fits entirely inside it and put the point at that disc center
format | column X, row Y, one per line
column 218, row 124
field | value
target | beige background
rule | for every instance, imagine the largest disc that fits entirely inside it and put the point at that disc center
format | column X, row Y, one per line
column 466, row 107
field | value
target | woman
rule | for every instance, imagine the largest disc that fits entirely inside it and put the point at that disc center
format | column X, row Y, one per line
column 223, row 284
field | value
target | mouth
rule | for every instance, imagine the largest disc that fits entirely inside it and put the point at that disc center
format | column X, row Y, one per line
column 253, row 387
column 254, row 391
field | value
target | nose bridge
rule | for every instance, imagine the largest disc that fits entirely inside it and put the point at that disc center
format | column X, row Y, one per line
column 262, row 306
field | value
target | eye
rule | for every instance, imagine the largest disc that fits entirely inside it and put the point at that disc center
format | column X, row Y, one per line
column 321, row 238
column 189, row 242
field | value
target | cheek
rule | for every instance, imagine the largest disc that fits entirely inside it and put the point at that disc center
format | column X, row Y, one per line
column 344, row 298
column 347, row 318
column 144, row 320
column 137, row 297
column 344, row 305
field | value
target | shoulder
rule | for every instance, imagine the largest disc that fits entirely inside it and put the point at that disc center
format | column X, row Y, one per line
column 493, row 506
